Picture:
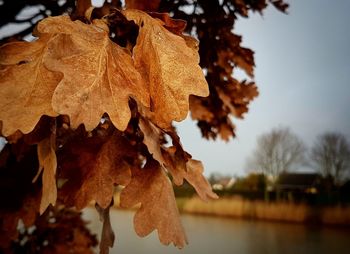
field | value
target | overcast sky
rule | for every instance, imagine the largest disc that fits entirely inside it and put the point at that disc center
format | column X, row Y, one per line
column 303, row 75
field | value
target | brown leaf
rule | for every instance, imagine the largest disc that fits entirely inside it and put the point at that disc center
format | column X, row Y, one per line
column 47, row 164
column 241, row 7
column 170, row 67
column 226, row 130
column 98, row 75
column 92, row 167
column 280, row 5
column 105, row 10
column 81, row 9
column 227, row 102
column 191, row 170
column 142, row 5
column 198, row 111
column 177, row 161
column 195, row 177
column 44, row 128
column 236, row 96
column 213, row 112
column 26, row 85
column 13, row 138
column 176, row 26
column 151, row 138
column 234, row 53
column 107, row 235
column 151, row 187
column 27, row 212
column 19, row 198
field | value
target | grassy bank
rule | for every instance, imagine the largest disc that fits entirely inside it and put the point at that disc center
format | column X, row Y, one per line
column 273, row 211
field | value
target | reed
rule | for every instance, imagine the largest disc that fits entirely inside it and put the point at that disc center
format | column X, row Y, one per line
column 272, row 211
column 338, row 215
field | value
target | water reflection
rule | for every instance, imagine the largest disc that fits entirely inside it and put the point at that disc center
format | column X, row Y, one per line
column 227, row 236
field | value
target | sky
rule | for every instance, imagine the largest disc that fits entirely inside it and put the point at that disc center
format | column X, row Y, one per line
column 303, row 76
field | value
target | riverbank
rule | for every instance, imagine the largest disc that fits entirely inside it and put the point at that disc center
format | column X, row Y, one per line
column 221, row 235
column 237, row 207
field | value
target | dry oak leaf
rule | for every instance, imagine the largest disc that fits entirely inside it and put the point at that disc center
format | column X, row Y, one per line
column 27, row 212
column 142, row 5
column 176, row 160
column 191, row 170
column 199, row 111
column 226, row 130
column 152, row 139
column 194, row 175
column 235, row 96
column 107, row 235
column 169, row 66
column 98, row 75
column 47, row 164
column 152, row 188
column 82, row 10
column 93, row 167
column 243, row 58
column 26, row 85
column 228, row 102
column 176, row 26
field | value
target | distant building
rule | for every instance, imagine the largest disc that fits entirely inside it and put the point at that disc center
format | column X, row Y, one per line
column 297, row 186
column 224, row 183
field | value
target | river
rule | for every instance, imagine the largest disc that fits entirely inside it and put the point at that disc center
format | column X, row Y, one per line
column 212, row 235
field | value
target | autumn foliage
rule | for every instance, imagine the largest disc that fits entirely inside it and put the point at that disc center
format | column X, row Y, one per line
column 90, row 105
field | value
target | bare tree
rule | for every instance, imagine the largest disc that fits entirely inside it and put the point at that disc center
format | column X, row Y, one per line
column 330, row 155
column 277, row 151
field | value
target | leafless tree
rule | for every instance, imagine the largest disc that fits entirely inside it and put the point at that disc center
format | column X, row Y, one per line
column 330, row 155
column 277, row 151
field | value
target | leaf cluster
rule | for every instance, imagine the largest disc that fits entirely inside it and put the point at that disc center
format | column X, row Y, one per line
column 94, row 98
column 97, row 113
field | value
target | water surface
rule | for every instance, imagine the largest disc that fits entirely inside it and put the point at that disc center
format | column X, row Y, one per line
column 226, row 236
